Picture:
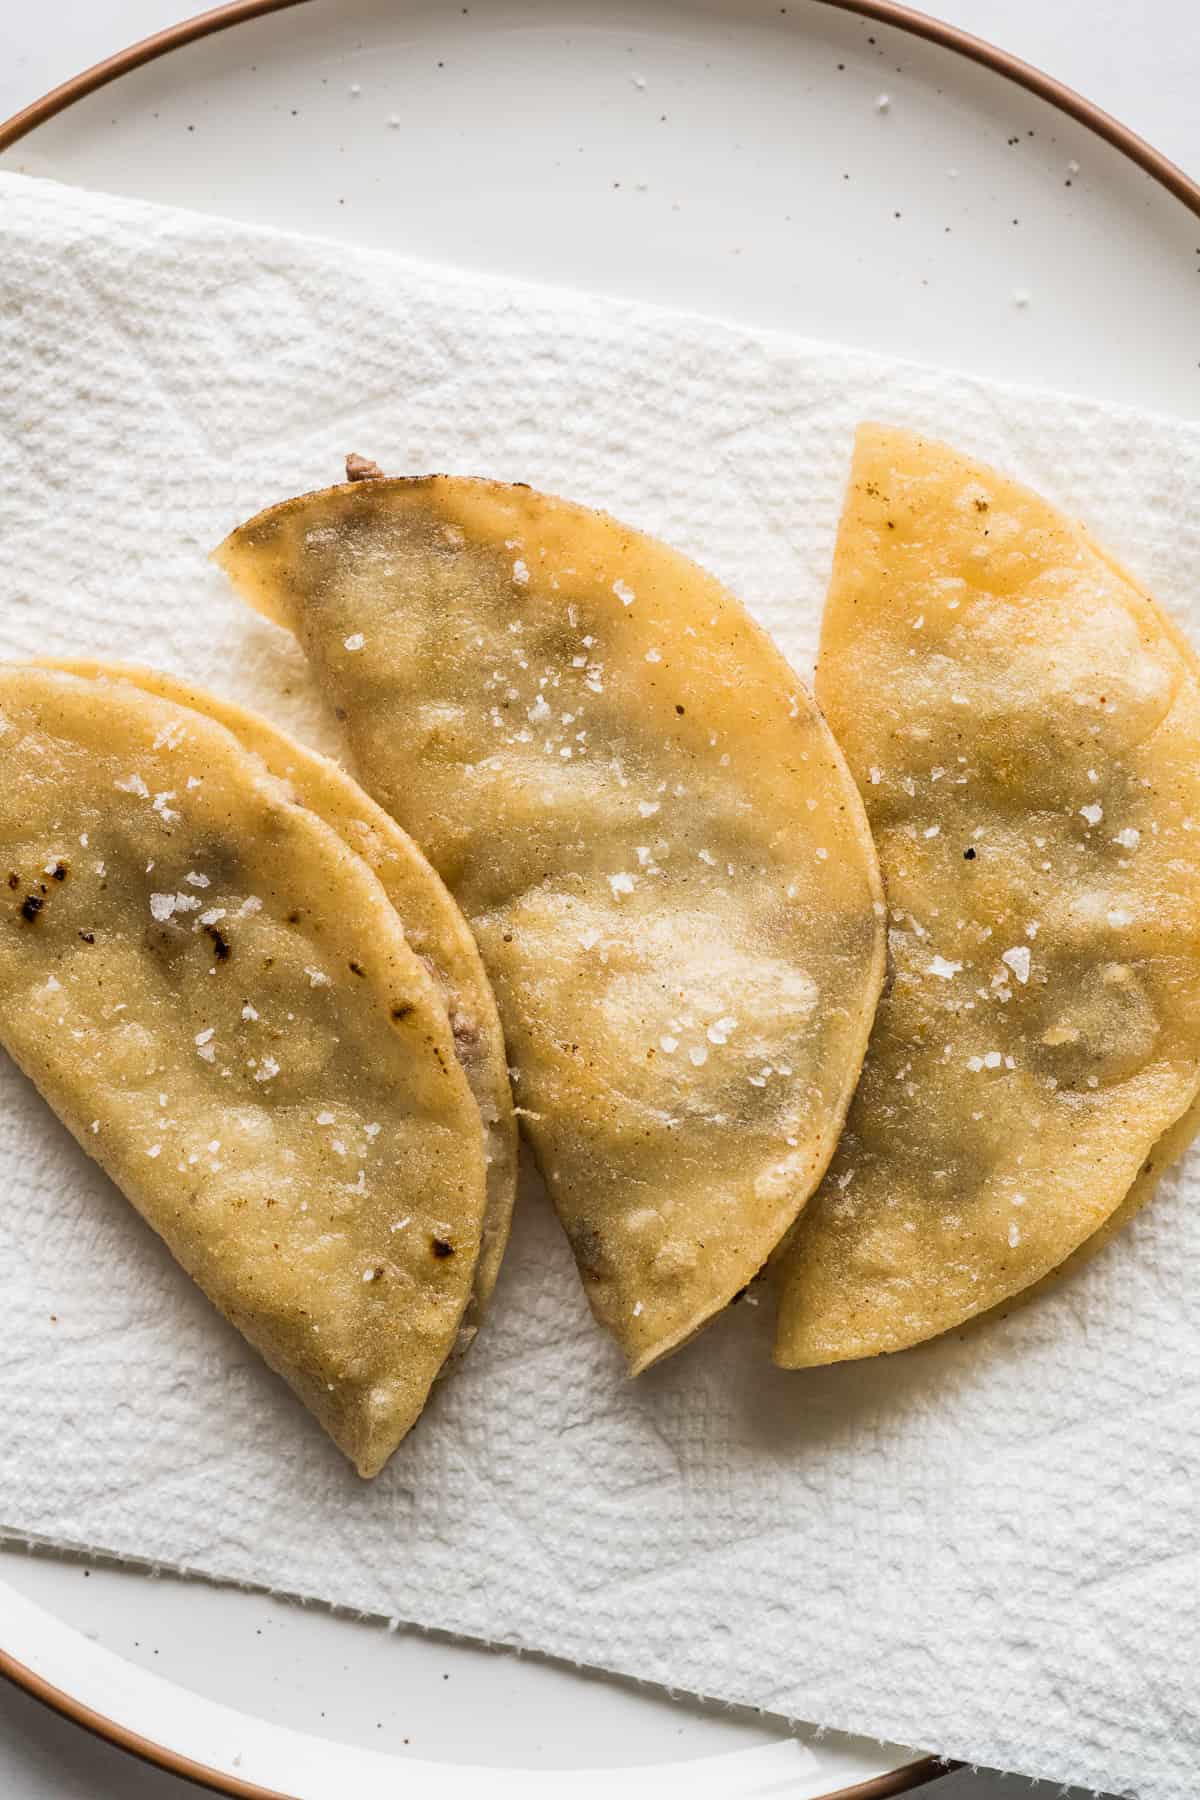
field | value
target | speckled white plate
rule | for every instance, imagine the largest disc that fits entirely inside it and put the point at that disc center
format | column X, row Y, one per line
column 797, row 166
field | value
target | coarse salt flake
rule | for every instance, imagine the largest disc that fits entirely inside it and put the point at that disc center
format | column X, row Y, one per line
column 1018, row 961
column 622, row 884
column 1093, row 814
column 624, row 593
column 355, row 641
column 267, row 1069
column 133, row 784
column 940, row 966
column 1129, row 838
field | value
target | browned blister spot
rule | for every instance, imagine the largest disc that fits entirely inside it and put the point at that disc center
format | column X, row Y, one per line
column 361, row 468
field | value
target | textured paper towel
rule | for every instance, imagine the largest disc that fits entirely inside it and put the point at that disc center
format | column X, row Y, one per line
column 987, row 1546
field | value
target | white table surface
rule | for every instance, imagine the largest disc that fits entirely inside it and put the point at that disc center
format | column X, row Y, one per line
column 1140, row 62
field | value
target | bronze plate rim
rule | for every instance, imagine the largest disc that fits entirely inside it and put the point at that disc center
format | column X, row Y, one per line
column 881, row 1787
column 220, row 18
column 882, row 12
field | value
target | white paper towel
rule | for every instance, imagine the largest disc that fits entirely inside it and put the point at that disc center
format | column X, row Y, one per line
column 987, row 1546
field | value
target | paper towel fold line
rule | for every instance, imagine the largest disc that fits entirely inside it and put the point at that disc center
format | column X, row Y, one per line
column 983, row 1546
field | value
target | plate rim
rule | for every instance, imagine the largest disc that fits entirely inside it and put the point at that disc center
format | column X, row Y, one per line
column 133, row 1743
column 191, row 30
column 903, row 1780
column 895, row 13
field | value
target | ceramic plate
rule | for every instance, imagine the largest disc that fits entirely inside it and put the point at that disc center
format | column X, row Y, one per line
column 832, row 170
